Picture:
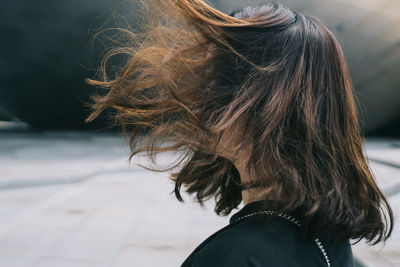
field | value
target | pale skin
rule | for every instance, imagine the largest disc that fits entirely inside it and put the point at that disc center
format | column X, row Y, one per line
column 250, row 195
column 240, row 160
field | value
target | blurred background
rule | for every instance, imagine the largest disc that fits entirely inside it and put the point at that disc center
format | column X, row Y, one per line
column 69, row 197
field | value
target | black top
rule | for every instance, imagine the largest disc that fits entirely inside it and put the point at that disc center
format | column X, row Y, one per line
column 261, row 240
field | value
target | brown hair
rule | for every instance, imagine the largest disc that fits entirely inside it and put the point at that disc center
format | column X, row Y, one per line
column 193, row 72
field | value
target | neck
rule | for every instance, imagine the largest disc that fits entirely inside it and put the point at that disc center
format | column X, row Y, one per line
column 254, row 194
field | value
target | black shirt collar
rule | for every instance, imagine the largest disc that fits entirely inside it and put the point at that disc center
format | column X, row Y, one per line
column 264, row 205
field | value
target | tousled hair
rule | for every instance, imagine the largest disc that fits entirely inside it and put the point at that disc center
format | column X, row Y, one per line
column 193, row 72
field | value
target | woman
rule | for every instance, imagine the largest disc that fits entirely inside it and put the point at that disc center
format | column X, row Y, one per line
column 261, row 104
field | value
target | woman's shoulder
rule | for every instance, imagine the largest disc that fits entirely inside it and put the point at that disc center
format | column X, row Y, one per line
column 259, row 241
column 249, row 243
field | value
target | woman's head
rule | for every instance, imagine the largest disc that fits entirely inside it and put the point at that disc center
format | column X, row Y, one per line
column 265, row 86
